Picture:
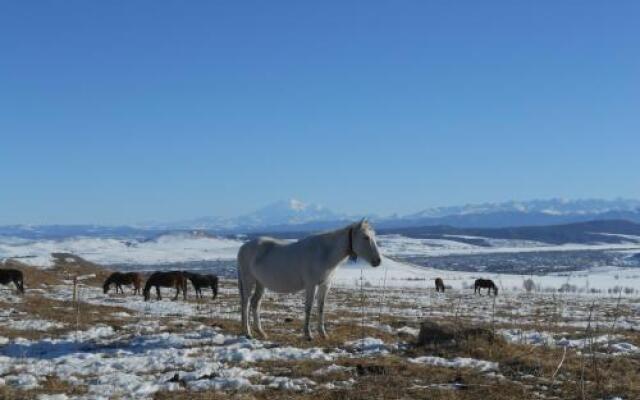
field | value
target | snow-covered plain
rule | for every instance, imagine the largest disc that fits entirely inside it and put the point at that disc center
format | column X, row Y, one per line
column 166, row 249
column 188, row 247
column 402, row 246
column 392, row 273
column 171, row 249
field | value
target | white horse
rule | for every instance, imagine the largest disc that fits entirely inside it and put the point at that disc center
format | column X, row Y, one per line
column 308, row 264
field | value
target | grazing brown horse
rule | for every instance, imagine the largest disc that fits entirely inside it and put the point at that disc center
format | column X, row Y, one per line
column 119, row 279
column 485, row 283
column 12, row 275
column 439, row 285
column 199, row 281
column 175, row 279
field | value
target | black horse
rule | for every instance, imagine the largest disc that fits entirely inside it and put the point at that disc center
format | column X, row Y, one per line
column 199, row 281
column 174, row 279
column 439, row 285
column 485, row 283
column 118, row 279
column 12, row 275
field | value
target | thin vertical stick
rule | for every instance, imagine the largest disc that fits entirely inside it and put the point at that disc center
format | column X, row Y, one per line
column 493, row 316
column 361, row 302
column 613, row 323
column 75, row 285
column 456, row 325
column 594, row 359
column 582, row 366
column 384, row 290
column 77, row 305
column 564, row 354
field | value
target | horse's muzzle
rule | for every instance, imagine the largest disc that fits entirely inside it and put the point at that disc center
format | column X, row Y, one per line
column 376, row 262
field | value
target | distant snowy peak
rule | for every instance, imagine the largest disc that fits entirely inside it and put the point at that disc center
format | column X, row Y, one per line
column 288, row 212
column 556, row 207
column 297, row 205
column 281, row 213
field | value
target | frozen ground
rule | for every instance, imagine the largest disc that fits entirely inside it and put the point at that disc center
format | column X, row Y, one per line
column 115, row 345
column 161, row 340
column 166, row 346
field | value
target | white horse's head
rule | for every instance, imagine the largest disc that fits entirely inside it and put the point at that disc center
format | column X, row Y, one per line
column 363, row 243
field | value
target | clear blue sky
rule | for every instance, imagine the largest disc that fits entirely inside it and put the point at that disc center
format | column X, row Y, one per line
column 126, row 111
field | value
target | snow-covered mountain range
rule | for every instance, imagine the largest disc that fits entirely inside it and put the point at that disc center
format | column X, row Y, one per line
column 295, row 215
column 522, row 213
column 549, row 206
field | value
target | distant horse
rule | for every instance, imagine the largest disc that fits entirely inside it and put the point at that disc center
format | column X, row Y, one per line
column 118, row 279
column 439, row 285
column 199, row 281
column 485, row 283
column 12, row 275
column 174, row 279
column 307, row 264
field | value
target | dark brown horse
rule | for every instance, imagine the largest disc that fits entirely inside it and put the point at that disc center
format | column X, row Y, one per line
column 174, row 279
column 485, row 283
column 118, row 279
column 12, row 275
column 199, row 281
column 439, row 285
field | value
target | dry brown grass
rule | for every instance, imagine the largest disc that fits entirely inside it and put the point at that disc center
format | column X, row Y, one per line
column 64, row 312
column 50, row 385
column 535, row 365
column 69, row 265
column 66, row 266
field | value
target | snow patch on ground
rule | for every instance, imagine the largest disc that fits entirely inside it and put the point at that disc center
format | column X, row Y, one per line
column 458, row 362
column 368, row 346
column 32, row 325
column 19, row 321
column 610, row 343
column 331, row 369
column 407, row 330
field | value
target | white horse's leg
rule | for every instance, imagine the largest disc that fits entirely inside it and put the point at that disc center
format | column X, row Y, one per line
column 246, row 284
column 322, row 293
column 256, row 300
column 310, row 296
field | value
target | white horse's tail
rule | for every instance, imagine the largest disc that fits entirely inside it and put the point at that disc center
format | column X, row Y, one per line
column 244, row 260
column 240, row 266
